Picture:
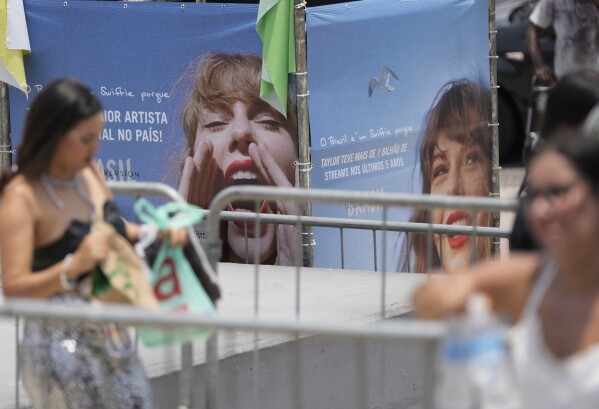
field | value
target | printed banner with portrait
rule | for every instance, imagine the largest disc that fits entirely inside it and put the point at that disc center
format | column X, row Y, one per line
column 180, row 87
column 399, row 102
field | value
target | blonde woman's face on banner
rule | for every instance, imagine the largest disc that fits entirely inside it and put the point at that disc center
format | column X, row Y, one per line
column 458, row 170
column 232, row 133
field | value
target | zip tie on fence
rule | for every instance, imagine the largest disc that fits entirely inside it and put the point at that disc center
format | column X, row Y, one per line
column 492, row 31
column 495, row 86
column 495, row 124
column 493, row 56
column 311, row 240
column 304, row 166
column 300, row 5
column 301, row 73
column 5, row 148
column 304, row 95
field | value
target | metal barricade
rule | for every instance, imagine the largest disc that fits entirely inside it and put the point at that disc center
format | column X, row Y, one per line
column 387, row 334
column 393, row 334
column 260, row 194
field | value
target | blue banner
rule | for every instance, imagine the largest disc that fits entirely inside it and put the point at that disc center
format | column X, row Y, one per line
column 134, row 57
column 376, row 68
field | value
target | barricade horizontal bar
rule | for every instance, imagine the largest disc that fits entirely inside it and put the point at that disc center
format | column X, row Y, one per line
column 397, row 329
column 233, row 193
column 368, row 224
column 145, row 189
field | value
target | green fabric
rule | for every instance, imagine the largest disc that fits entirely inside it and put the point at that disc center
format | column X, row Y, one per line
column 275, row 26
column 100, row 283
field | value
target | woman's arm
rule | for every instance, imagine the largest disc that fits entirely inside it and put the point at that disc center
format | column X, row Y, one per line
column 505, row 283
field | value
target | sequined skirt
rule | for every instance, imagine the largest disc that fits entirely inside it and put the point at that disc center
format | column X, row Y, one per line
column 81, row 365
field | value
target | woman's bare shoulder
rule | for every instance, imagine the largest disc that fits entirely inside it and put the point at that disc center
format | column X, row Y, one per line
column 19, row 186
column 19, row 196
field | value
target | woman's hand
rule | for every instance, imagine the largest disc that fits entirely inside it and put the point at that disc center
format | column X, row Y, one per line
column 199, row 176
column 93, row 249
column 177, row 237
column 289, row 244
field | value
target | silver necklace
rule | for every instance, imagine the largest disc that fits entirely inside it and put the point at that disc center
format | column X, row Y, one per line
column 75, row 183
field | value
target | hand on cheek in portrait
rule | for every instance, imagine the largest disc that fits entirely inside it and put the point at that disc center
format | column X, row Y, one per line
column 200, row 175
column 289, row 242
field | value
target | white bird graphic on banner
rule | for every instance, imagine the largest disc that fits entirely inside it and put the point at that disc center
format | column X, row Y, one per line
column 382, row 83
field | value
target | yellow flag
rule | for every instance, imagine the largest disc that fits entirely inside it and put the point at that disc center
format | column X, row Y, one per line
column 14, row 43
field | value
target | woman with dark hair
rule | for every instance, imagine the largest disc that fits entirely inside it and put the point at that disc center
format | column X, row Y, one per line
column 235, row 138
column 455, row 159
column 47, row 207
column 552, row 298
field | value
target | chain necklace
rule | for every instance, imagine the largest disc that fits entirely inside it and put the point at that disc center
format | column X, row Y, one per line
column 75, row 183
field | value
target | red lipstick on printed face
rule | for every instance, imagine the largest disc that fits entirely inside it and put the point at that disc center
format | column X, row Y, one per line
column 238, row 166
column 457, row 242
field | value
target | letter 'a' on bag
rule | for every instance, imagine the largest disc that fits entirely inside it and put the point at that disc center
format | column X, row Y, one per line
column 120, row 278
column 174, row 281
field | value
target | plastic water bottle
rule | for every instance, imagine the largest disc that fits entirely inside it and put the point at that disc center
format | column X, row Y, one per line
column 474, row 366
column 453, row 389
column 490, row 369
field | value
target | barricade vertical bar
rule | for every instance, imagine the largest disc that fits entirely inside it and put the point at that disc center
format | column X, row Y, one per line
column 361, row 365
column 212, row 364
column 441, row 251
column 247, row 244
column 212, row 369
column 429, row 243
column 428, row 390
column 383, row 379
column 474, row 238
column 256, row 373
column 186, row 375
column 408, row 255
column 17, row 363
column 255, row 354
column 297, row 381
column 342, row 251
column 374, row 243
column 384, row 270
column 298, row 273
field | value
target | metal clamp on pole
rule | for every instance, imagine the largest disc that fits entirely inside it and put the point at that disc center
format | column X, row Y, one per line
column 304, row 166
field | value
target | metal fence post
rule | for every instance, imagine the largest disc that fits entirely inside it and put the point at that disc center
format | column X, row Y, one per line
column 303, row 126
column 5, row 139
column 494, row 118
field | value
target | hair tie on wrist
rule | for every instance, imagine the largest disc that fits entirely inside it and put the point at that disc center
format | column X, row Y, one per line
column 64, row 281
